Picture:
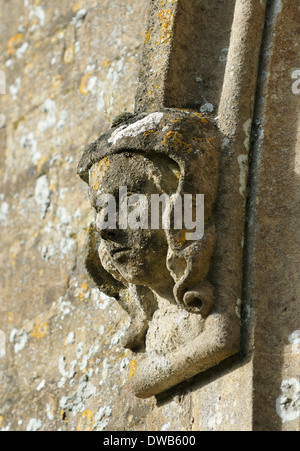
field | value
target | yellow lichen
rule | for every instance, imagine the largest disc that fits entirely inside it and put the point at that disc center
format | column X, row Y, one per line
column 200, row 116
column 40, row 330
column 28, row 68
column 182, row 238
column 147, row 37
column 14, row 42
column 1, row 420
column 10, row 317
column 59, row 35
column 75, row 8
column 86, row 422
column 166, row 18
column 132, row 368
column 35, row 21
column 69, row 55
column 98, row 171
column 83, row 88
column 148, row 132
column 13, row 259
column 83, row 291
column 41, row 163
column 56, row 80
column 174, row 140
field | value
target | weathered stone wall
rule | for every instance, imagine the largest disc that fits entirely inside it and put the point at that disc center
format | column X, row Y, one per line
column 273, row 248
column 70, row 69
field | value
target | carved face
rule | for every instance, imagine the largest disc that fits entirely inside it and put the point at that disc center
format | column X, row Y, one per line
column 139, row 256
column 167, row 152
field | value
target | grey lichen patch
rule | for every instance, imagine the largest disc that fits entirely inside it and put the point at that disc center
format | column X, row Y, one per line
column 42, row 195
column 19, row 338
column 4, row 212
column 76, row 403
column 34, row 425
column 288, row 403
column 2, row 344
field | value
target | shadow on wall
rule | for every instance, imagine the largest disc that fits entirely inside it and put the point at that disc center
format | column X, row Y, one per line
column 272, row 270
column 270, row 335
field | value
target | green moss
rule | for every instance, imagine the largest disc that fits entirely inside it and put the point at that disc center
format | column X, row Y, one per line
column 123, row 117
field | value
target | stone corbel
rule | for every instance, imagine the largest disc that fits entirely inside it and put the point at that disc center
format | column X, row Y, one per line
column 176, row 328
column 183, row 296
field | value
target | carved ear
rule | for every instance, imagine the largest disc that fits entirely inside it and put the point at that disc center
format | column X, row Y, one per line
column 200, row 299
column 104, row 281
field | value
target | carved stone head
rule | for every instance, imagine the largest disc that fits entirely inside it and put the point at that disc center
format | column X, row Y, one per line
column 158, row 271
